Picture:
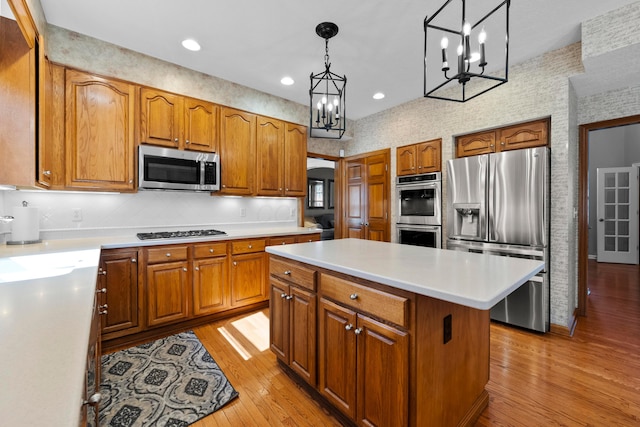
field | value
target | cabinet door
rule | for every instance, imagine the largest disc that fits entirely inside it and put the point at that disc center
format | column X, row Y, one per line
column 337, row 356
column 99, row 133
column 406, row 160
column 118, row 289
column 355, row 199
column 51, row 145
column 168, row 290
column 210, row 284
column 477, row 143
column 295, row 160
column 279, row 320
column 270, row 148
column 377, row 198
column 429, row 156
column 237, row 152
column 302, row 333
column 200, row 125
column 383, row 372
column 160, row 118
column 248, row 282
column 526, row 135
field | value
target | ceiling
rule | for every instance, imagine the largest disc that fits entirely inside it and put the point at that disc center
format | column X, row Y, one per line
column 255, row 43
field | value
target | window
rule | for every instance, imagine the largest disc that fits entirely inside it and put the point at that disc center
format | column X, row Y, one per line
column 316, row 193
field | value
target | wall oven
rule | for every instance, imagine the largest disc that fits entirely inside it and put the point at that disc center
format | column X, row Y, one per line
column 419, row 209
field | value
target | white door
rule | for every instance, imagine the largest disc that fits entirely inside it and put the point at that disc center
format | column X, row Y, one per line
column 617, row 199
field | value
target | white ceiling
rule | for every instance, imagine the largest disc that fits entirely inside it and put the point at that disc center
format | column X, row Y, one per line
column 255, row 43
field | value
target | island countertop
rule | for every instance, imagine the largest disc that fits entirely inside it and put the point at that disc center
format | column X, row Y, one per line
column 473, row 280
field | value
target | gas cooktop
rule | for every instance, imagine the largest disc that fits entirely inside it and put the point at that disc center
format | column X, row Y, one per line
column 179, row 234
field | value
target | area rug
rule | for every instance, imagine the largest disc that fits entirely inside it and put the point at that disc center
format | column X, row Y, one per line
column 171, row 382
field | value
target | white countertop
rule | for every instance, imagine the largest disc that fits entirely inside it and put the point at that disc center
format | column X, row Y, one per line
column 46, row 300
column 474, row 280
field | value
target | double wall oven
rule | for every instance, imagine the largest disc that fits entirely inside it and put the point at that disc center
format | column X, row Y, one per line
column 419, row 210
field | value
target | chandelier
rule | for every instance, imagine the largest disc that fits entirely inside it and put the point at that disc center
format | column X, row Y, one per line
column 327, row 93
column 470, row 75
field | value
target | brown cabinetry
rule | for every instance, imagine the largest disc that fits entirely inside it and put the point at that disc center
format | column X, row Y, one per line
column 237, row 152
column 281, row 159
column 293, row 316
column 210, row 278
column 176, row 121
column 367, row 200
column 524, row 135
column 99, row 138
column 118, row 292
column 168, row 285
column 248, row 272
column 363, row 361
column 419, row 158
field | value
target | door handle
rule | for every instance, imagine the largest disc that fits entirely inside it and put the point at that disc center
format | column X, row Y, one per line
column 601, row 220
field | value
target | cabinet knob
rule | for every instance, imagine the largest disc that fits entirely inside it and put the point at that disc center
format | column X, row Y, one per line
column 168, row 254
column 211, row 251
column 283, row 243
column 130, row 181
column 101, row 291
column 103, row 272
column 103, row 306
column 349, row 327
column 283, row 295
column 197, row 269
column 289, row 297
column 353, row 296
column 235, row 263
column 502, row 143
column 46, row 173
column 184, row 268
column 491, row 145
column 419, row 167
column 357, row 331
column 287, row 273
column 187, row 142
column 250, row 246
column 93, row 400
column 134, row 260
column 175, row 139
column 103, row 312
column 280, row 189
column 286, row 189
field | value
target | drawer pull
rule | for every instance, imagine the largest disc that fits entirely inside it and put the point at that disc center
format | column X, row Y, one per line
column 349, row 327
column 353, row 296
column 210, row 250
column 357, row 331
column 250, row 246
column 168, row 254
column 287, row 273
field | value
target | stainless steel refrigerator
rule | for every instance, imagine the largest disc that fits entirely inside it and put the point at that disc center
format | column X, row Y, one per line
column 499, row 204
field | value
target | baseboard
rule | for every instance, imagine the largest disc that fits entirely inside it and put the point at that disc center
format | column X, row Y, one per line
column 565, row 331
column 593, row 257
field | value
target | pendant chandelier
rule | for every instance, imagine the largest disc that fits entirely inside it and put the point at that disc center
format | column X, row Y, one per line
column 469, row 76
column 327, row 93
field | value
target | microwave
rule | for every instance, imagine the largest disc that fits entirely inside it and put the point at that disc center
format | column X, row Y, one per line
column 162, row 168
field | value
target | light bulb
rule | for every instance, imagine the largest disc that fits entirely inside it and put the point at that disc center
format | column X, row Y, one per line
column 335, row 101
column 482, row 37
column 324, row 99
column 444, row 43
column 319, row 105
column 459, row 49
column 330, row 107
column 466, row 29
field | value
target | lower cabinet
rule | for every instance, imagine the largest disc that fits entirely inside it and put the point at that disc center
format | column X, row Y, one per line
column 210, row 278
column 118, row 292
column 168, row 285
column 92, row 396
column 248, row 272
column 293, row 317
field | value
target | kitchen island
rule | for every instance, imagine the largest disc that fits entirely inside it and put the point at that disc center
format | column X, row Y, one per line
column 389, row 334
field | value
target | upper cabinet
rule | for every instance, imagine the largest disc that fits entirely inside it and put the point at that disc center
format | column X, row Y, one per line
column 419, row 158
column 524, row 135
column 281, row 158
column 237, row 152
column 175, row 121
column 99, row 133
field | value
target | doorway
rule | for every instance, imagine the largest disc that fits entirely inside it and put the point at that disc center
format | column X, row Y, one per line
column 585, row 131
column 322, row 203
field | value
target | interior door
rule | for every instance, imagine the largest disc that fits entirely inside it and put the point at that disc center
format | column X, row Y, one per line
column 617, row 209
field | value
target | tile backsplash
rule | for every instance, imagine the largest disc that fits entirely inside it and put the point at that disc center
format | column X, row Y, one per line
column 86, row 214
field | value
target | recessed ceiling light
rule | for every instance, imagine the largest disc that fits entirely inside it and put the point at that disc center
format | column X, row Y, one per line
column 287, row 81
column 378, row 95
column 191, row 44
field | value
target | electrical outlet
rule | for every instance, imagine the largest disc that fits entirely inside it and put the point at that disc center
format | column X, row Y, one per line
column 76, row 214
column 243, row 212
column 446, row 329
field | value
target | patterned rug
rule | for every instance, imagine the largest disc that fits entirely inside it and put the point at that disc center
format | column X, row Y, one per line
column 171, row 382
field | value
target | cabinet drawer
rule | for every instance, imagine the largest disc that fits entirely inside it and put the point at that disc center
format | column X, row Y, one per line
column 248, row 246
column 315, row 237
column 295, row 273
column 381, row 304
column 166, row 254
column 287, row 240
column 208, row 250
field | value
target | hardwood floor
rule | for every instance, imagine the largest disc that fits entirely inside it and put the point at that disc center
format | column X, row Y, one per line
column 591, row 379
